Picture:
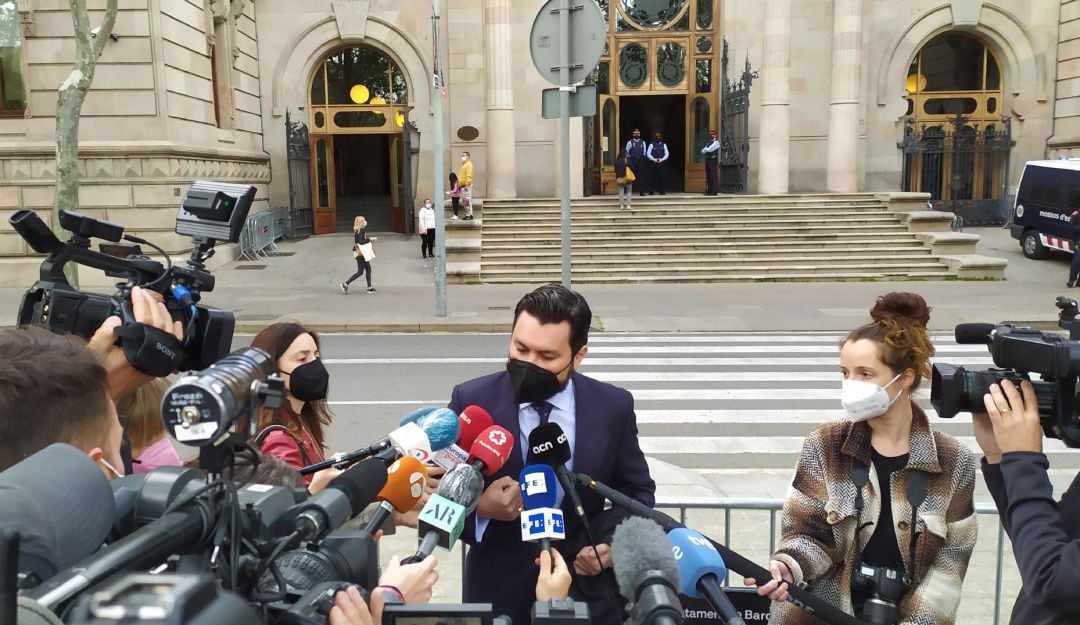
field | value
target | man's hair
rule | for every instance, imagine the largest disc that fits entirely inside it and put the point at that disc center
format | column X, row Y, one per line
column 554, row 304
column 465, row 154
column 52, row 390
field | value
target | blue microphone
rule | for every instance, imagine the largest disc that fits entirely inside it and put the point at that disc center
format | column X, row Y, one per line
column 701, row 568
column 541, row 520
column 413, row 416
column 441, row 426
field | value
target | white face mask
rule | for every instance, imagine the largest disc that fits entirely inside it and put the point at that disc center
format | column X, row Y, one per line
column 464, row 158
column 866, row 400
column 110, row 467
column 427, row 204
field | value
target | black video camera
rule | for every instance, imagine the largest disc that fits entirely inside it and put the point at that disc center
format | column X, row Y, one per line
column 210, row 213
column 884, row 588
column 1019, row 352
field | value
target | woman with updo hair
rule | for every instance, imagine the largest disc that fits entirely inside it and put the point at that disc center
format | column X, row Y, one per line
column 879, row 518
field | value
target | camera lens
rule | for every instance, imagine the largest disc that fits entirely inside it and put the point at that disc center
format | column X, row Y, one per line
column 199, row 408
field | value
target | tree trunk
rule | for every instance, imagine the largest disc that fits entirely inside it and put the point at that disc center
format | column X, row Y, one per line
column 71, row 95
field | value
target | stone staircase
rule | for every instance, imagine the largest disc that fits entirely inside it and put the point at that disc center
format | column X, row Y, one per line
column 723, row 239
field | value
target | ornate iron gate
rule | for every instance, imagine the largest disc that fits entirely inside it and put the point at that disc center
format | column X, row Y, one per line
column 298, row 149
column 962, row 164
column 734, row 127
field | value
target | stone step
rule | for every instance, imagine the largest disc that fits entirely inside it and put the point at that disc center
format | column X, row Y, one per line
column 644, row 206
column 690, row 221
column 847, row 276
column 763, row 269
column 740, row 232
column 622, row 215
column 553, row 255
column 774, row 263
column 882, row 244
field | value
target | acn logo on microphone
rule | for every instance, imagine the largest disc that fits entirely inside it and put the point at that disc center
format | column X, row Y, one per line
column 548, row 445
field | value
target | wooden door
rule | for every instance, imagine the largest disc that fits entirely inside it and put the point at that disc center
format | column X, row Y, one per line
column 609, row 143
column 324, row 184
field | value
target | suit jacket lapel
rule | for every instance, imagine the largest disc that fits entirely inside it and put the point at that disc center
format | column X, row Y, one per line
column 591, row 433
column 505, row 413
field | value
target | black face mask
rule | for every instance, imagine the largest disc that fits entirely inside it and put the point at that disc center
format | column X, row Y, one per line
column 309, row 381
column 533, row 383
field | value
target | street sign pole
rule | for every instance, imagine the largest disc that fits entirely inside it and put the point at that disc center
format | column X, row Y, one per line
column 564, row 131
column 438, row 201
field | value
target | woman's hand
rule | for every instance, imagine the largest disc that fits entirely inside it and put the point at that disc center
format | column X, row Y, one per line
column 1015, row 417
column 984, row 435
column 415, row 581
column 554, row 579
column 777, row 588
column 350, row 609
column 320, row 480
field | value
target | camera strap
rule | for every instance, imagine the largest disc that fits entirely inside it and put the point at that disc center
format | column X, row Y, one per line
column 150, row 350
column 277, row 427
column 916, row 495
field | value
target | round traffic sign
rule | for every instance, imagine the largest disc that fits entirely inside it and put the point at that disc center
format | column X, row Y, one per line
column 588, row 33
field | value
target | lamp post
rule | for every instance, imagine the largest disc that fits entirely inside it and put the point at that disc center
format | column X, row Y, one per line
column 437, row 167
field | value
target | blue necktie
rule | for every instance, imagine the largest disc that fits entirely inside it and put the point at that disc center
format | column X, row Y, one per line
column 543, row 408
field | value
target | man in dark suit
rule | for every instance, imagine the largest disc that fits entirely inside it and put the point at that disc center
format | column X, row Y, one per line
column 540, row 385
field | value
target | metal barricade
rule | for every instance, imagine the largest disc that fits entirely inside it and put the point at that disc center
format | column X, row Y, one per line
column 257, row 236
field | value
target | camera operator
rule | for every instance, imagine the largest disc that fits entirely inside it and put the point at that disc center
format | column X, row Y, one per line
column 1045, row 534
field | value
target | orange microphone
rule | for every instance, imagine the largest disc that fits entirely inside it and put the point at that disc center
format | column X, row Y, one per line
column 405, row 480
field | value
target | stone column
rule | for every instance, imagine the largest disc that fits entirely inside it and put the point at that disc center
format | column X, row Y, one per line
column 499, row 99
column 844, row 104
column 775, row 130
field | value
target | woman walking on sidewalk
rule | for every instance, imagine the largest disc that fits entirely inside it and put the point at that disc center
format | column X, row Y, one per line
column 363, row 265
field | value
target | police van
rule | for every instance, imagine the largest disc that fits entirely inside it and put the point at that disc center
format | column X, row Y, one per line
column 1048, row 193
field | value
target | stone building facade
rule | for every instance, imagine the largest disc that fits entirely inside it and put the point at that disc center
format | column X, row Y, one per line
column 325, row 105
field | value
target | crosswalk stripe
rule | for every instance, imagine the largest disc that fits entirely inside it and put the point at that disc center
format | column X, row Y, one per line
column 809, row 337
column 756, row 417
column 833, row 361
column 680, row 445
column 757, row 349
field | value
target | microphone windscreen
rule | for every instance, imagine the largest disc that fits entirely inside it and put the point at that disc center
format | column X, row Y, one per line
column 60, row 503
column 361, row 483
column 548, row 445
column 493, row 447
column 539, row 486
column 696, row 557
column 441, row 427
column 473, row 420
column 462, row 484
column 973, row 333
column 404, row 483
column 415, row 415
column 639, row 545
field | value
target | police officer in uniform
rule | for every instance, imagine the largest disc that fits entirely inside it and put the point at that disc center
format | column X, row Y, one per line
column 658, row 154
column 711, row 151
column 635, row 157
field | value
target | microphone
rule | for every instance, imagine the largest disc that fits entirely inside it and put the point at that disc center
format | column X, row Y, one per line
column 413, row 416
column 404, row 487
column 62, row 506
column 345, row 497
column 804, row 599
column 973, row 333
column 701, row 569
column 434, row 430
column 541, row 520
column 472, row 421
column 443, row 518
column 489, row 452
column 646, row 572
column 548, row 445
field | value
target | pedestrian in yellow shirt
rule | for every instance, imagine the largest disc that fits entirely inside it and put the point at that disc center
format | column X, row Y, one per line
column 465, row 176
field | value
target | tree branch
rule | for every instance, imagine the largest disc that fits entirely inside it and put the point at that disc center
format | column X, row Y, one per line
column 106, row 29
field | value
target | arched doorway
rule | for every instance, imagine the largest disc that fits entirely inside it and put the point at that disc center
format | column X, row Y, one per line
column 956, row 140
column 657, row 75
column 357, row 112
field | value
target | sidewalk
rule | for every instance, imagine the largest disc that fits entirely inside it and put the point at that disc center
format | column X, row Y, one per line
column 304, row 286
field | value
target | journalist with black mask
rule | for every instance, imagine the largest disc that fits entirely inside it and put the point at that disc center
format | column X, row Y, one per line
column 1045, row 534
column 295, row 433
column 540, row 385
